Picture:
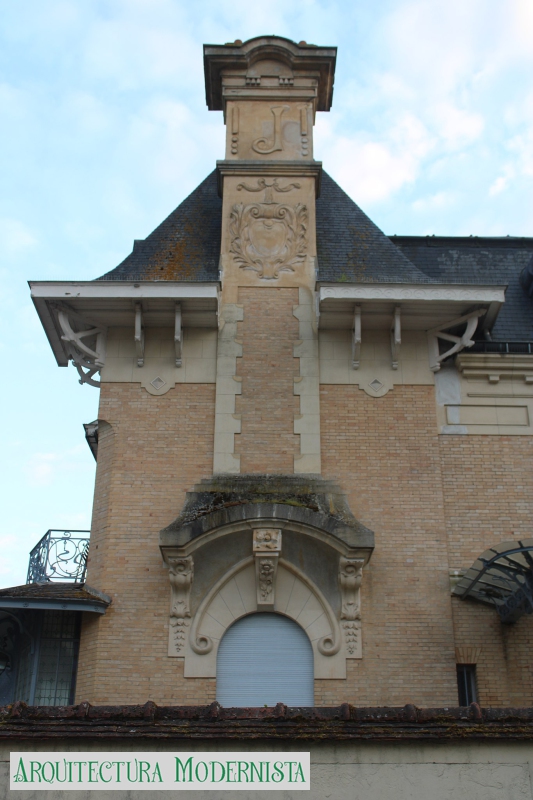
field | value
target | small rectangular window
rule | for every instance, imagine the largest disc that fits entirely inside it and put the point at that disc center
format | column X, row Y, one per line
column 466, row 684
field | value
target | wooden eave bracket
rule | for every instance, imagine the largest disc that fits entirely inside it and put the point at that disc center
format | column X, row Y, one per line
column 139, row 335
column 88, row 361
column 396, row 337
column 356, row 338
column 458, row 342
column 178, row 335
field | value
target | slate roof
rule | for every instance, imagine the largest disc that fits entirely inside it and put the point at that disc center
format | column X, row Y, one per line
column 185, row 247
column 55, row 591
column 478, row 259
column 350, row 248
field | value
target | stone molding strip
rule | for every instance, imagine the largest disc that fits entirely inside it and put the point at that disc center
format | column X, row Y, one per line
column 344, row 722
column 270, row 514
column 277, row 169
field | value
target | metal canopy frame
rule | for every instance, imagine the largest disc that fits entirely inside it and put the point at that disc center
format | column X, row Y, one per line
column 502, row 577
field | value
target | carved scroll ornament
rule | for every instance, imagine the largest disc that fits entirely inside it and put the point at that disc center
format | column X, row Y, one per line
column 268, row 237
column 180, row 573
column 266, row 547
column 350, row 577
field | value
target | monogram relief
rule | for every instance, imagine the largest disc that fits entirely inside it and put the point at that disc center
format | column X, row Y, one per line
column 268, row 237
column 261, row 145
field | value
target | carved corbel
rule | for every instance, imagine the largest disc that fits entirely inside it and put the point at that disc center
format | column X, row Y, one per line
column 356, row 338
column 180, row 573
column 396, row 337
column 139, row 335
column 177, row 334
column 459, row 342
column 350, row 577
column 88, row 360
column 266, row 548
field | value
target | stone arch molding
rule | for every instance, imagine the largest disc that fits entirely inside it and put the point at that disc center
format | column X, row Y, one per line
column 263, row 581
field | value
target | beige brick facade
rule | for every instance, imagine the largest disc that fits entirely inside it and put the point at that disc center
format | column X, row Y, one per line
column 153, row 450
column 267, row 405
column 305, row 347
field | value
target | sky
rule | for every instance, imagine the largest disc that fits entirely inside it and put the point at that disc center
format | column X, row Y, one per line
column 104, row 131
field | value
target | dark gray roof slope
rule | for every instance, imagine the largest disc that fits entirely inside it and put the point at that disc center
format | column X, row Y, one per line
column 185, row 247
column 477, row 259
column 351, row 248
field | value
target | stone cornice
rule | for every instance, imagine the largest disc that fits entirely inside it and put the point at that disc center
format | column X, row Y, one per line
column 413, row 292
column 278, row 169
column 341, row 723
column 495, row 366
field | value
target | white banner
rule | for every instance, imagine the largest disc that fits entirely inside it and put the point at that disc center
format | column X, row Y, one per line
column 150, row 771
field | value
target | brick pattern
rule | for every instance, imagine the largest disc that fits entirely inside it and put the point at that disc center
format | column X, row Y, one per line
column 385, row 454
column 488, row 486
column 153, row 450
column 267, row 405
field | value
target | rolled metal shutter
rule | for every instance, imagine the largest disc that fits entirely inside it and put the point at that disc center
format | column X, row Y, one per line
column 264, row 659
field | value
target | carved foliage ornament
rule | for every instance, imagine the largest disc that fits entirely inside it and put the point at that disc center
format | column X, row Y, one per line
column 266, row 548
column 180, row 572
column 350, row 576
column 268, row 237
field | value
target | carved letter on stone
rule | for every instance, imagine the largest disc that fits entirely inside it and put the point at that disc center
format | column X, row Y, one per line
column 180, row 572
column 268, row 237
column 266, row 547
column 350, row 576
column 261, row 145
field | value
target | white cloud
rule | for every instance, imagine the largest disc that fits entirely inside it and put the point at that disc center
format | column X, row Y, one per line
column 45, row 469
column 15, row 237
column 371, row 171
column 436, row 202
column 457, row 127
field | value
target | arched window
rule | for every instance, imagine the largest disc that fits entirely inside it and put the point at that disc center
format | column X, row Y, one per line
column 264, row 659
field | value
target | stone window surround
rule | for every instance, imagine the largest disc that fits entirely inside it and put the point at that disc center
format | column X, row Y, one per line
column 333, row 639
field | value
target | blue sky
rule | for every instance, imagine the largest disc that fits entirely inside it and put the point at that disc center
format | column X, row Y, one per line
column 104, row 130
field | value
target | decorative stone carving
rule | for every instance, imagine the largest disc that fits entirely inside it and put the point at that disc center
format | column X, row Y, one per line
column 350, row 576
column 261, row 145
column 267, row 540
column 235, row 595
column 139, row 335
column 234, row 130
column 268, row 237
column 88, row 360
column 458, row 342
column 304, row 129
column 266, row 548
column 180, row 572
column 356, row 338
column 396, row 337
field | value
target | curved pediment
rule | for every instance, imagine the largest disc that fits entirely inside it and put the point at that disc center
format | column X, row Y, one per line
column 229, row 502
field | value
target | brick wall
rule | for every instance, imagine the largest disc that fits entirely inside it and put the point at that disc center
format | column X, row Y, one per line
column 385, row 454
column 267, row 405
column 152, row 450
column 488, row 493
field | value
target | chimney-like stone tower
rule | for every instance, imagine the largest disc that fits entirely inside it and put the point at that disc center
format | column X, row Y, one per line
column 267, row 393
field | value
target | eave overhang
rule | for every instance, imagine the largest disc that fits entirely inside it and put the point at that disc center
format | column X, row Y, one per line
column 107, row 304
column 423, row 306
column 56, row 597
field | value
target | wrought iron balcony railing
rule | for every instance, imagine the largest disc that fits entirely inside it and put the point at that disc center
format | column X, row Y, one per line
column 59, row 556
